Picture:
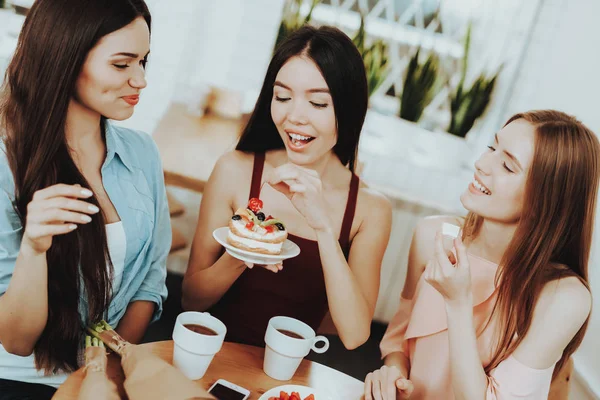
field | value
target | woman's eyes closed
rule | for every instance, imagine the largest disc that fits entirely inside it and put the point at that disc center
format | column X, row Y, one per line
column 493, row 149
column 319, row 105
column 315, row 104
column 143, row 63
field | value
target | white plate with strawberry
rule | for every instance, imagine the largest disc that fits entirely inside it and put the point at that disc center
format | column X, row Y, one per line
column 293, row 392
column 256, row 238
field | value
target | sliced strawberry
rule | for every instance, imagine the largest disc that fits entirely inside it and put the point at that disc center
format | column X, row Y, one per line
column 250, row 225
column 269, row 217
column 270, row 228
column 310, row 397
column 283, row 396
column 295, row 396
column 255, row 205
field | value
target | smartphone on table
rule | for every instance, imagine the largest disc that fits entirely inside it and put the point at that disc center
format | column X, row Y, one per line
column 225, row 390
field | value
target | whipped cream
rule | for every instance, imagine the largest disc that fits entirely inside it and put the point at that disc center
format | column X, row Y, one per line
column 255, row 244
column 275, row 235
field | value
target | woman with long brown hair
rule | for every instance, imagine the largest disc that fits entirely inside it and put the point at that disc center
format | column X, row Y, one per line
column 84, row 223
column 499, row 315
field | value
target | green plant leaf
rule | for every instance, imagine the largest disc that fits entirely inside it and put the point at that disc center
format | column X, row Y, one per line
column 469, row 104
column 359, row 37
column 419, row 86
column 472, row 105
column 292, row 20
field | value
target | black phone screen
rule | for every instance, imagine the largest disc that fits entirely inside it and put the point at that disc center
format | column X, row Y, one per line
column 224, row 393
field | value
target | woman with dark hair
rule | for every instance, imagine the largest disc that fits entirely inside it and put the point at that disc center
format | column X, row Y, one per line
column 84, row 223
column 300, row 143
column 499, row 316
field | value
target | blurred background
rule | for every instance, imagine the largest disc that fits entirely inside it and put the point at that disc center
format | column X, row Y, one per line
column 444, row 75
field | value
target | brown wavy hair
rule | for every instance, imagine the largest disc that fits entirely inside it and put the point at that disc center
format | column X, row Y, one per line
column 39, row 84
column 554, row 234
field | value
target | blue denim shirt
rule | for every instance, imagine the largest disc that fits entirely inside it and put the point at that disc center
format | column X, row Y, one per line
column 133, row 179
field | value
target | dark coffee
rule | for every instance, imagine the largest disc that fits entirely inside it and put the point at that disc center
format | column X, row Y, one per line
column 201, row 329
column 290, row 333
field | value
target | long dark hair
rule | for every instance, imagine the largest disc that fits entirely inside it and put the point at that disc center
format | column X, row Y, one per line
column 39, row 84
column 342, row 68
column 554, row 235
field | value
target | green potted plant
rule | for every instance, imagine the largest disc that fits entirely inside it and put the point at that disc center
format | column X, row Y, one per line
column 374, row 56
column 420, row 86
column 292, row 20
column 424, row 145
column 467, row 104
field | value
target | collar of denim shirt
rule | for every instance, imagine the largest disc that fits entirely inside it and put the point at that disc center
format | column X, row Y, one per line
column 115, row 145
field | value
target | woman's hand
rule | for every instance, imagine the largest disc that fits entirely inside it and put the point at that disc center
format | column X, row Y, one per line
column 96, row 384
column 387, row 383
column 449, row 275
column 271, row 267
column 55, row 210
column 303, row 187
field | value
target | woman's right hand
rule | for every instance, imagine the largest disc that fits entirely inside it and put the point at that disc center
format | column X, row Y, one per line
column 55, row 210
column 387, row 383
column 271, row 267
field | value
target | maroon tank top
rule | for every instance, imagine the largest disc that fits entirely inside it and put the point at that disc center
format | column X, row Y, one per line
column 298, row 291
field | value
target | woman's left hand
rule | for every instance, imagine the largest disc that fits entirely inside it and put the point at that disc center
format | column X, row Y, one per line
column 453, row 281
column 303, row 187
column 96, row 384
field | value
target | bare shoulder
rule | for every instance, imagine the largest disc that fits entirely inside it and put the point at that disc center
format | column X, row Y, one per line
column 234, row 161
column 565, row 301
column 422, row 248
column 231, row 175
column 373, row 202
column 561, row 310
column 427, row 227
column 373, row 214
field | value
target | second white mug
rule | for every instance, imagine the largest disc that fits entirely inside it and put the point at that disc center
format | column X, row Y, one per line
column 288, row 341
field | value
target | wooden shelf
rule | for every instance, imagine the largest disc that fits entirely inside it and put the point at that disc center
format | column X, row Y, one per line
column 190, row 146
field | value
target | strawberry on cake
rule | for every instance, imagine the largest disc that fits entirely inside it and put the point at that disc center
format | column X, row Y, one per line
column 251, row 230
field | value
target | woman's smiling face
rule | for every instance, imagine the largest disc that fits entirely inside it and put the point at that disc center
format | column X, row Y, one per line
column 498, row 187
column 302, row 110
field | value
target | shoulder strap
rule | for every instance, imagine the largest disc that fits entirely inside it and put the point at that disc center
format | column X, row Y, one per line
column 257, row 171
column 350, row 210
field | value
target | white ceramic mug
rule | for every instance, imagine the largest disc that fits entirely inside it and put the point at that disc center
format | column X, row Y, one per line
column 193, row 352
column 283, row 353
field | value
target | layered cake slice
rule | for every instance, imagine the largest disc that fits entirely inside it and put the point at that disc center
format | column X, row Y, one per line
column 251, row 230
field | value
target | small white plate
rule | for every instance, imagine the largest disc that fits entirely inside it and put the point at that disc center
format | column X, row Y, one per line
column 288, row 250
column 303, row 391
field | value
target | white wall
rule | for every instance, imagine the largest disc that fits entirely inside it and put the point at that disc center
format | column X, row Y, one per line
column 197, row 42
column 561, row 71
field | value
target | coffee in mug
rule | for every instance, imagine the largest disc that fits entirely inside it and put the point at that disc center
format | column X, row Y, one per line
column 201, row 329
column 288, row 341
column 290, row 333
column 198, row 337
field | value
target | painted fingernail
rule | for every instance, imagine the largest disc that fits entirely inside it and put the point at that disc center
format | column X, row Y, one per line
column 93, row 208
column 86, row 192
column 86, row 218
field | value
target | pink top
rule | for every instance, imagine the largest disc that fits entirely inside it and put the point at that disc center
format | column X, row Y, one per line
column 419, row 330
